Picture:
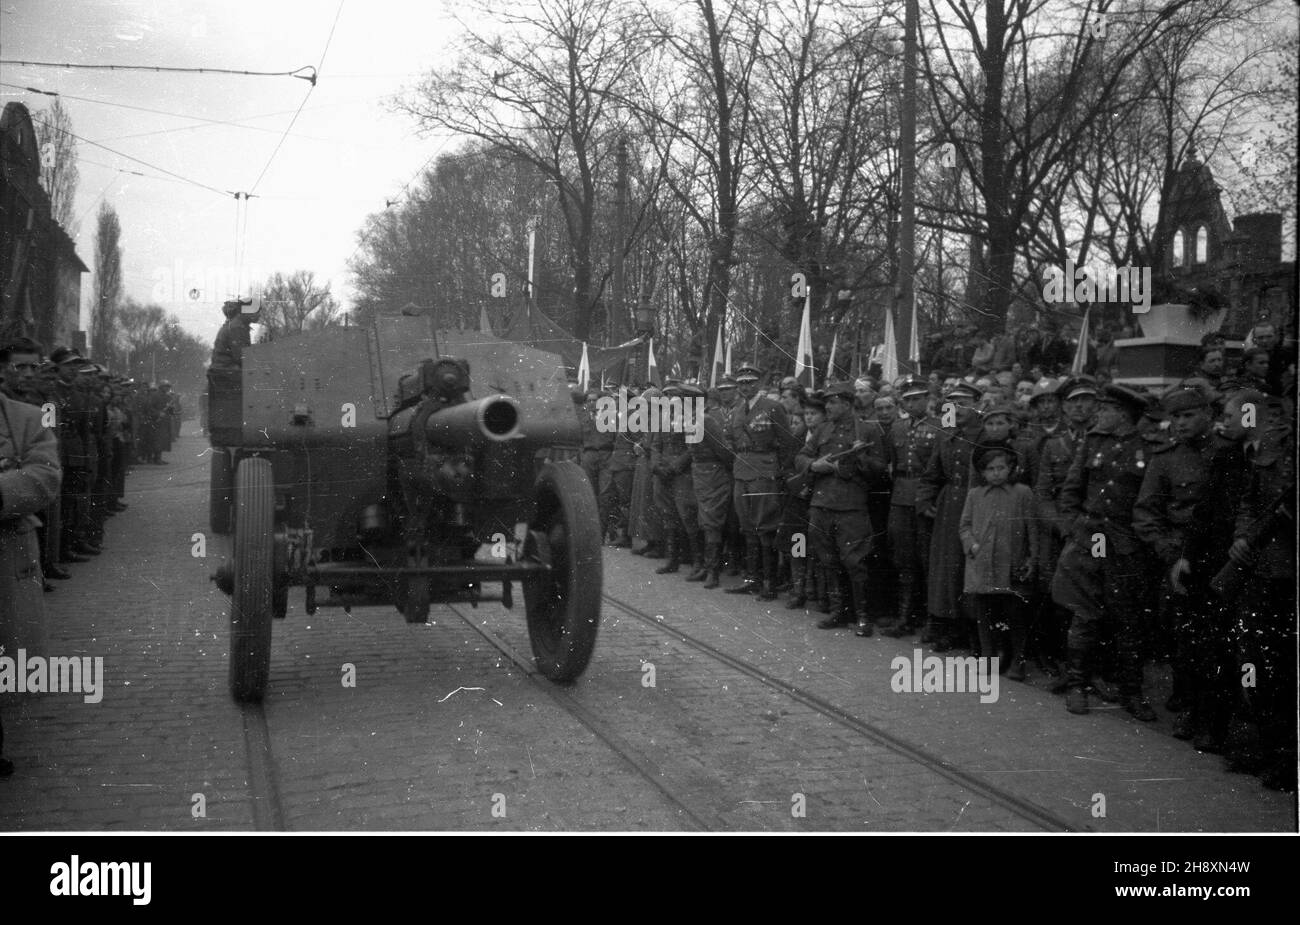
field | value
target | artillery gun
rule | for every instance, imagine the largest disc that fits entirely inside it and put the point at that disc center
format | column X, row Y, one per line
column 392, row 465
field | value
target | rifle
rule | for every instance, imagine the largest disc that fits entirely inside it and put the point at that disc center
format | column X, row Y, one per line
column 1229, row 580
column 801, row 483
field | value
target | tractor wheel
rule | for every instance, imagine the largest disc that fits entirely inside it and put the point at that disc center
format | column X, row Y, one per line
column 252, row 603
column 563, row 608
column 221, row 489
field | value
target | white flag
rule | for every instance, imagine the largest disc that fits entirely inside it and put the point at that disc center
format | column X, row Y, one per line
column 889, row 363
column 1081, row 352
column 830, row 364
column 717, row 361
column 803, row 361
column 651, row 367
column 584, row 369
column 914, row 342
column 484, row 325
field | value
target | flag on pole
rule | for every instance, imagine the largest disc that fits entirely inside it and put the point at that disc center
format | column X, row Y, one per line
column 889, row 360
column 803, row 360
column 914, row 342
column 651, row 367
column 1081, row 352
column 584, row 369
column 717, row 361
column 830, row 364
column 726, row 370
column 484, row 325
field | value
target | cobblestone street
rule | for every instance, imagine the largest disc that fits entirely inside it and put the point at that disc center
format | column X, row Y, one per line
column 754, row 721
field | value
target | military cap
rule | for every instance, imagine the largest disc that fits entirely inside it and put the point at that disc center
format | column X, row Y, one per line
column 748, row 374
column 1045, row 387
column 961, row 389
column 789, row 382
column 673, row 387
column 1112, row 394
column 984, row 452
column 815, row 399
column 1078, row 385
column 576, row 393
column 690, row 389
column 912, row 387
column 1183, row 400
column 862, row 382
column 842, row 390
column 726, row 382
column 1002, row 407
column 63, row 354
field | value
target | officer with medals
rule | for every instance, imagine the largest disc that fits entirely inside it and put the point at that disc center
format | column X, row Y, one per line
column 759, row 433
column 910, row 443
column 711, row 462
column 1103, row 576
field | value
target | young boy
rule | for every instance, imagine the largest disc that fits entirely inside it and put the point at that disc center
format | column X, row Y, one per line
column 1000, row 538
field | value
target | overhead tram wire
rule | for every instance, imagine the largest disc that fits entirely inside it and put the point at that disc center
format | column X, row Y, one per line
column 297, row 72
column 315, row 73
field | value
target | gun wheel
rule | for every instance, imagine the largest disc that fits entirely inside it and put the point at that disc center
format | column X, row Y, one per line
column 253, row 600
column 563, row 608
column 221, row 490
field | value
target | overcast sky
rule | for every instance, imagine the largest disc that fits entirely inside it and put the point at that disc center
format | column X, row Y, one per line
column 344, row 157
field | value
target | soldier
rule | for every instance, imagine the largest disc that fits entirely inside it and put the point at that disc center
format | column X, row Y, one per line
column 622, row 469
column 911, row 441
column 597, row 448
column 234, row 336
column 733, row 541
column 1263, row 544
column 711, row 462
column 842, row 467
column 940, row 496
column 79, row 457
column 1079, row 398
column 29, row 482
column 1185, row 512
column 670, row 463
column 647, row 524
column 874, row 430
column 1103, row 577
column 805, row 570
column 759, row 433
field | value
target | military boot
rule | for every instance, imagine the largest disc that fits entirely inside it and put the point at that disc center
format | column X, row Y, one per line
column 1130, row 688
column 699, row 561
column 865, row 627
column 713, row 559
column 902, row 626
column 674, row 555
column 823, row 578
column 1076, row 673
column 751, row 583
column 768, row 590
column 798, row 590
column 838, row 617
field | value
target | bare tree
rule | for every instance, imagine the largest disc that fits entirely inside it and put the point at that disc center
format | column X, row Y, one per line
column 108, row 283
column 295, row 303
column 59, row 173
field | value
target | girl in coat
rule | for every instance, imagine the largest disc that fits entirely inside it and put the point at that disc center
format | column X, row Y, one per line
column 999, row 536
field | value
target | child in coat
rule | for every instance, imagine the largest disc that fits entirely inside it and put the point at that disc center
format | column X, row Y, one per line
column 1000, row 539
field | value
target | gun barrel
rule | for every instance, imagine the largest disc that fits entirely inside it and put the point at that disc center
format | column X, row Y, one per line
column 474, row 423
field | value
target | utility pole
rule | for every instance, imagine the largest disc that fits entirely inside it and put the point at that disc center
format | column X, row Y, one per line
column 907, row 171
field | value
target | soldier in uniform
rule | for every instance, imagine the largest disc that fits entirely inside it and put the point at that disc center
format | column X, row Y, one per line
column 1079, row 398
column 842, row 467
column 733, row 541
column 670, row 463
column 711, row 462
column 940, row 496
column 80, row 457
column 234, row 336
column 1264, row 545
column 910, row 443
column 29, row 482
column 1103, row 577
column 647, row 524
column 1186, row 512
column 597, row 448
column 805, row 570
column 622, row 469
column 759, row 433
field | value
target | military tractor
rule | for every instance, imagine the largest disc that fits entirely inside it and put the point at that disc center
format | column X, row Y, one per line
column 392, row 464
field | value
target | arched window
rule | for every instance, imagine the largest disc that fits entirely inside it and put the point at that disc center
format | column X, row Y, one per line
column 1202, row 245
column 1180, row 252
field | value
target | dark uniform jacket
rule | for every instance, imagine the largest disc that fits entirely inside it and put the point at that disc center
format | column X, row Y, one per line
column 1271, row 478
column 228, row 351
column 592, row 437
column 907, row 451
column 713, row 447
column 761, row 438
column 845, row 489
column 31, row 476
column 1101, row 488
column 1053, row 465
column 1029, row 445
column 1187, row 506
column 669, row 455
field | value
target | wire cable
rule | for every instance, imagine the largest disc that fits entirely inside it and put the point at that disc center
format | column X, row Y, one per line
column 297, row 72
